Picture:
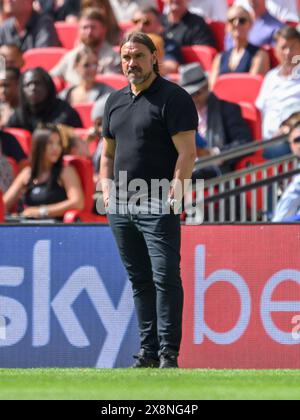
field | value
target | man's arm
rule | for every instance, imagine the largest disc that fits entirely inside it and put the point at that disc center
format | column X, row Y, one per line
column 186, row 148
column 107, row 167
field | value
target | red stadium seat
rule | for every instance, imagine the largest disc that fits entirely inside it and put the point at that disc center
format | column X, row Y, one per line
column 84, row 168
column 23, row 137
column 67, row 33
column 46, row 58
column 238, row 87
column 273, row 59
column 126, row 26
column 84, row 111
column 60, row 84
column 160, row 5
column 199, row 54
column 218, row 30
column 116, row 81
column 253, row 117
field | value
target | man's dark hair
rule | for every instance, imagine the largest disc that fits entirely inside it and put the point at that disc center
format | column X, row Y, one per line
column 141, row 38
column 288, row 33
column 92, row 13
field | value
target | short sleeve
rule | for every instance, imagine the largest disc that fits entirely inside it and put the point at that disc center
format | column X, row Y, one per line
column 180, row 113
column 105, row 124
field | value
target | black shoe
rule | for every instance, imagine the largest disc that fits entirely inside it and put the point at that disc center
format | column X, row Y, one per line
column 168, row 361
column 144, row 360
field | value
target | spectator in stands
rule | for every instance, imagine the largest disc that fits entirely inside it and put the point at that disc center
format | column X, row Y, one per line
column 59, row 10
column 281, row 87
column 147, row 20
column 9, row 94
column 283, row 10
column 288, row 208
column 124, row 9
column 265, row 26
column 184, row 27
column 13, row 56
column 113, row 35
column 49, row 188
column 27, row 28
column 290, row 119
column 39, row 104
column 88, row 90
column 243, row 57
column 92, row 34
column 210, row 9
column 221, row 125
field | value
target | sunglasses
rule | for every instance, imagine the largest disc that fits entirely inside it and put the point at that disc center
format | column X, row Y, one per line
column 295, row 141
column 239, row 21
column 145, row 22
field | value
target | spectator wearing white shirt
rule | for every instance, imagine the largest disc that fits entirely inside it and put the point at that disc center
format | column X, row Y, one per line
column 283, row 10
column 281, row 87
column 210, row 9
column 288, row 208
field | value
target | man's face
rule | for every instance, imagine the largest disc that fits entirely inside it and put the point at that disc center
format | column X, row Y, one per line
column 147, row 23
column 287, row 50
column 9, row 88
column 137, row 62
column 91, row 32
column 16, row 7
column 35, row 89
column 177, row 6
column 13, row 57
column 294, row 141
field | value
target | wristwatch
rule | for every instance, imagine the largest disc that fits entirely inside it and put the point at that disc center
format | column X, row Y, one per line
column 43, row 211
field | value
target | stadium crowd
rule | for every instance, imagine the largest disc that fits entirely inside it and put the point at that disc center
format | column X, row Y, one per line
column 60, row 60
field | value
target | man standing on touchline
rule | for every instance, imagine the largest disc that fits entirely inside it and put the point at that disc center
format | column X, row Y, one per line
column 149, row 132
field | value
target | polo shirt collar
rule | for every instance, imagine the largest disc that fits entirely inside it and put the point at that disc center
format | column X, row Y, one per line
column 151, row 89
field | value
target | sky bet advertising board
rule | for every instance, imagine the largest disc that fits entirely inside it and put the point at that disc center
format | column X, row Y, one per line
column 65, row 300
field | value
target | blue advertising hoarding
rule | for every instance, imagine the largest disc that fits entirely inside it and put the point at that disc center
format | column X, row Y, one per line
column 65, row 300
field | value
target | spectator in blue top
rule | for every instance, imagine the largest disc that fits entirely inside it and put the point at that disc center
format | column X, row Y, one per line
column 265, row 26
column 288, row 208
column 243, row 57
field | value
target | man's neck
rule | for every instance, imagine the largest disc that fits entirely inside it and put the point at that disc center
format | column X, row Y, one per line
column 136, row 89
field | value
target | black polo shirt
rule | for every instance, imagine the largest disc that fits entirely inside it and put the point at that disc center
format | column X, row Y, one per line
column 143, row 126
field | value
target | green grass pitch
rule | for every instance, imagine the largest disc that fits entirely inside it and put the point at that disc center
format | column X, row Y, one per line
column 146, row 384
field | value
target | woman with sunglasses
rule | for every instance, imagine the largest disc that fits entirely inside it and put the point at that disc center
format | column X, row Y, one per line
column 88, row 90
column 243, row 57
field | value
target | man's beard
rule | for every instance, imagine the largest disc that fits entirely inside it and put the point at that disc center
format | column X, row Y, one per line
column 138, row 80
column 92, row 43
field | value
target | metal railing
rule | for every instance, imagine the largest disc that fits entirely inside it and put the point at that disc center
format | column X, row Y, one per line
column 249, row 195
